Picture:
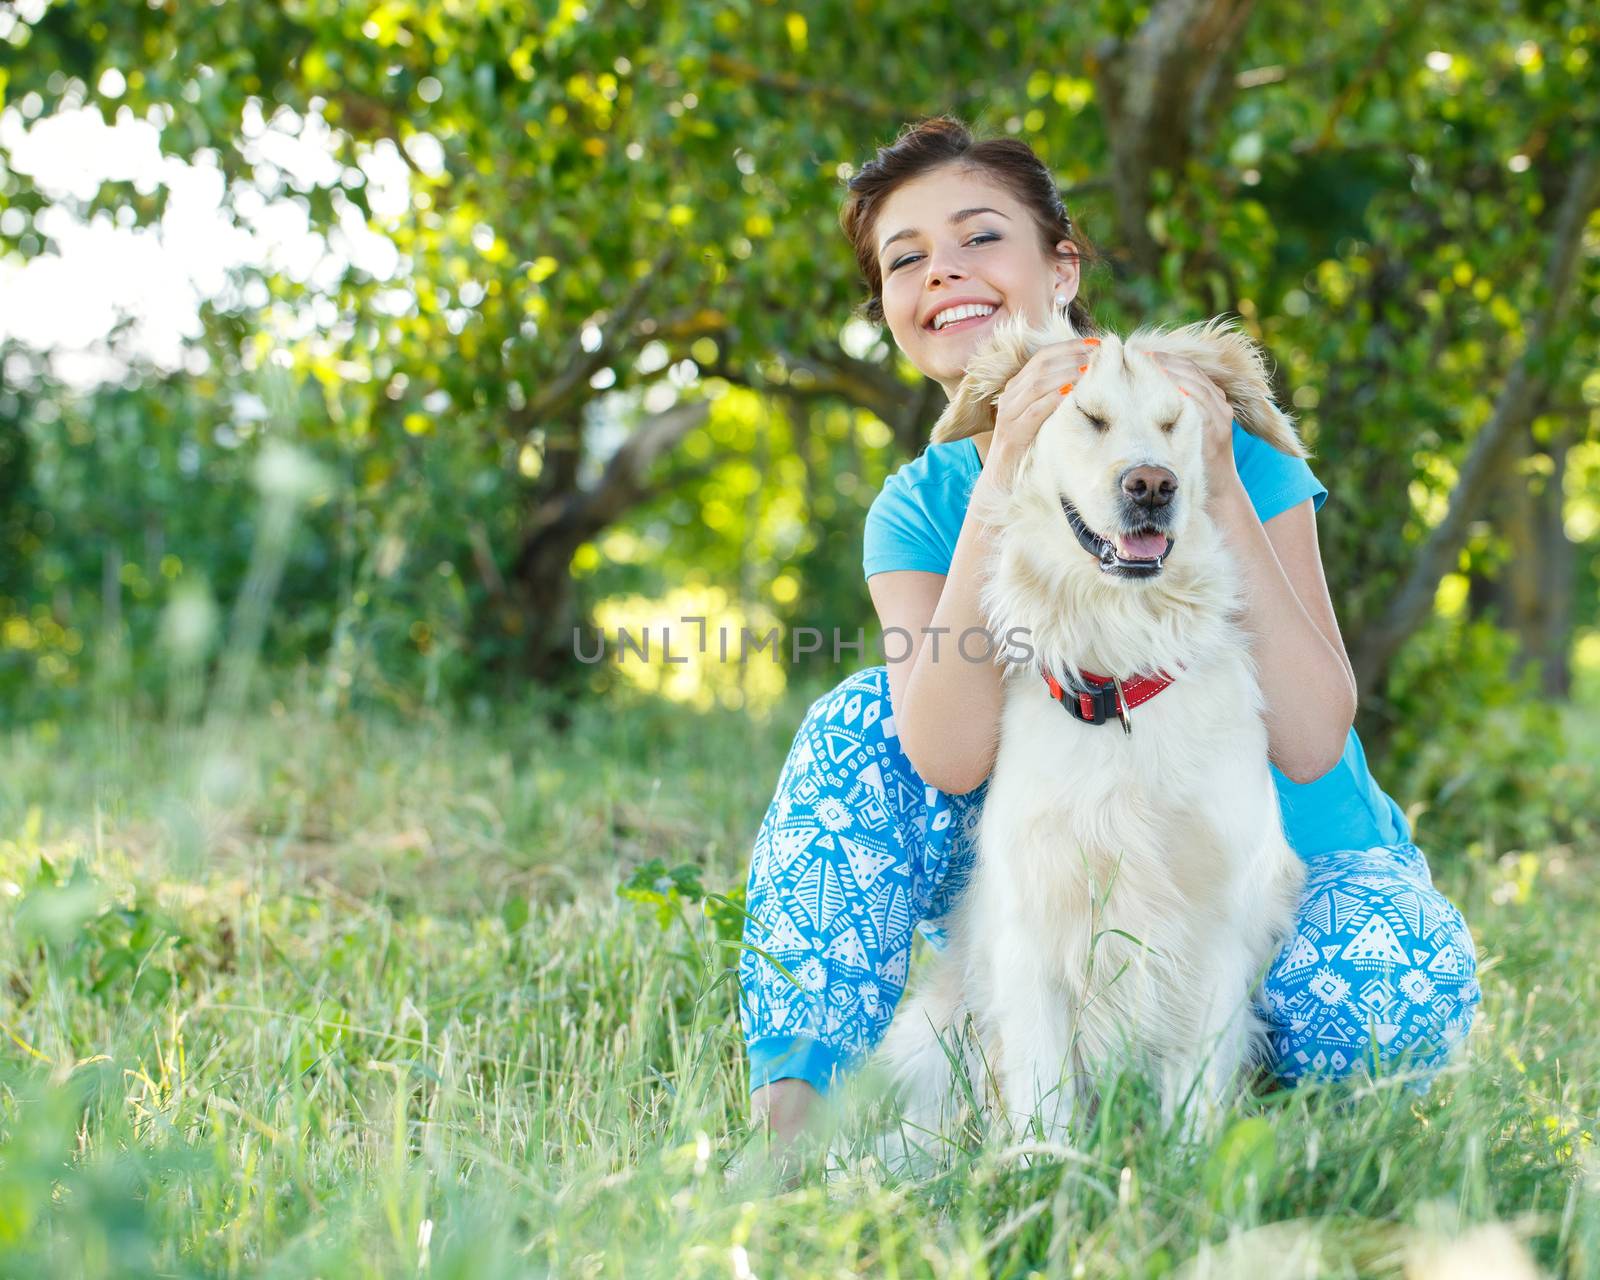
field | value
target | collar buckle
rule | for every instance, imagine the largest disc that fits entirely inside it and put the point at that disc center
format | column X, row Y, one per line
column 1095, row 705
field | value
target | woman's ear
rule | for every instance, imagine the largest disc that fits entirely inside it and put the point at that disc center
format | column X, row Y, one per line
column 971, row 411
column 1068, row 275
column 1238, row 366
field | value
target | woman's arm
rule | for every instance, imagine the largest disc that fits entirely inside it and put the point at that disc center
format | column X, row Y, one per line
column 946, row 707
column 1305, row 674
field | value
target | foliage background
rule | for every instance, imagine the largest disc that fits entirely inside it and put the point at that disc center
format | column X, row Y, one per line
column 602, row 370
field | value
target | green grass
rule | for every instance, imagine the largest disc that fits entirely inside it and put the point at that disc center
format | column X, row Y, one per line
column 358, row 998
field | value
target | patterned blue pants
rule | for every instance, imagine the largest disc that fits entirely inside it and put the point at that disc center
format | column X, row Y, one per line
column 856, row 852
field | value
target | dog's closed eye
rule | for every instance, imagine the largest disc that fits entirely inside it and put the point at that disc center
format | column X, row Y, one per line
column 1096, row 420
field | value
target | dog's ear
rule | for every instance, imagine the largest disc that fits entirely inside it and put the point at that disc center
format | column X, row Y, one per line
column 1015, row 340
column 1238, row 366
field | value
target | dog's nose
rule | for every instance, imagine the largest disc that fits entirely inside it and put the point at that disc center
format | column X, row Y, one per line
column 1150, row 487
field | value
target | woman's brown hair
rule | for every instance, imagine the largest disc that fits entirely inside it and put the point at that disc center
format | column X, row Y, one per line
column 941, row 140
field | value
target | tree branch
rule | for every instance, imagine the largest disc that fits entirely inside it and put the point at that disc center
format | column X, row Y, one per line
column 869, row 385
column 786, row 82
column 908, row 410
column 1526, row 386
column 578, row 365
column 1347, row 95
column 567, row 519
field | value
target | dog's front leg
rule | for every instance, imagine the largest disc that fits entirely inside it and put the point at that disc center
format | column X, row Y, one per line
column 1197, row 1085
column 1033, row 1019
column 1192, row 1095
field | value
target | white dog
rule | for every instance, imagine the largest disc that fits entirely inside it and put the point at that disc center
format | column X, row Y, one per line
column 1133, row 880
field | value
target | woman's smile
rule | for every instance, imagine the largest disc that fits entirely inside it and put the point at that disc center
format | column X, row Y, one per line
column 968, row 322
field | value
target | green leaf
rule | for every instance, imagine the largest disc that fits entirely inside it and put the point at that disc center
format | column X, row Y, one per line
column 1241, row 1165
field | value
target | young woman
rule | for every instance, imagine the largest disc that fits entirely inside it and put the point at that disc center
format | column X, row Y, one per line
column 871, row 833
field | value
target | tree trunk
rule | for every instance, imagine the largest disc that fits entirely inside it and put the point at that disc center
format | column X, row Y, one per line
column 1550, row 642
column 1531, row 593
column 545, row 612
column 1502, row 594
column 1160, row 90
column 540, row 594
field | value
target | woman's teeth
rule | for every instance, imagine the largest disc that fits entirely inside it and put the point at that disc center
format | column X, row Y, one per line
column 955, row 315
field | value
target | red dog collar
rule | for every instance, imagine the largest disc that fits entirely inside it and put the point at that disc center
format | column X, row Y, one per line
column 1106, row 696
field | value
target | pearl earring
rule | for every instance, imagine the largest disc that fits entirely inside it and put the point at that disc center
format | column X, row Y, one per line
column 1062, row 303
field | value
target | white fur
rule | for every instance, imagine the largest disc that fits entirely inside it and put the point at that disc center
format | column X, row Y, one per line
column 1129, row 890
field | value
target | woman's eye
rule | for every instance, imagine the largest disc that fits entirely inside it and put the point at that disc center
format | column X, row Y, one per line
column 912, row 257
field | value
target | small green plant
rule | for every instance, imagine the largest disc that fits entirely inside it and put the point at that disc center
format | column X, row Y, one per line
column 668, row 891
column 106, row 949
column 670, row 894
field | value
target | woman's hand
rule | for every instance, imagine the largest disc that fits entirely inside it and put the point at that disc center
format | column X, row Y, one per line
column 1032, row 395
column 1217, row 416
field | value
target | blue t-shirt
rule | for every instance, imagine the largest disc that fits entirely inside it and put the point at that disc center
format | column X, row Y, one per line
column 915, row 521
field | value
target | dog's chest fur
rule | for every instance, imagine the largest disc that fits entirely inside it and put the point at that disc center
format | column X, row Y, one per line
column 1191, row 776
column 1092, row 839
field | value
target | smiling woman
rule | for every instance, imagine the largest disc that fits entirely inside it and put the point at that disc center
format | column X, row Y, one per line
column 948, row 266
column 871, row 833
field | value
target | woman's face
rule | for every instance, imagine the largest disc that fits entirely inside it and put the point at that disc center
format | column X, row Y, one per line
column 952, row 237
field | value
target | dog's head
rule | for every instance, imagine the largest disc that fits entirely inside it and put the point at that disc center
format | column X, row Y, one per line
column 1111, row 497
column 1119, row 462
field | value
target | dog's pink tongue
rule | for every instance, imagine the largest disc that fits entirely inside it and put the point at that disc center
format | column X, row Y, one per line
column 1141, row 546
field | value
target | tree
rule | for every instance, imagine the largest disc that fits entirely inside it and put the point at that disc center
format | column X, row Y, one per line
column 619, row 216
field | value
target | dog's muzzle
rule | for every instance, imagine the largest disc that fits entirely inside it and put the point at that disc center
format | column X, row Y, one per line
column 1105, row 551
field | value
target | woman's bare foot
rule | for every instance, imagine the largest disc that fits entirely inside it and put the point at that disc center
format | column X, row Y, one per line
column 785, row 1105
column 786, row 1108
